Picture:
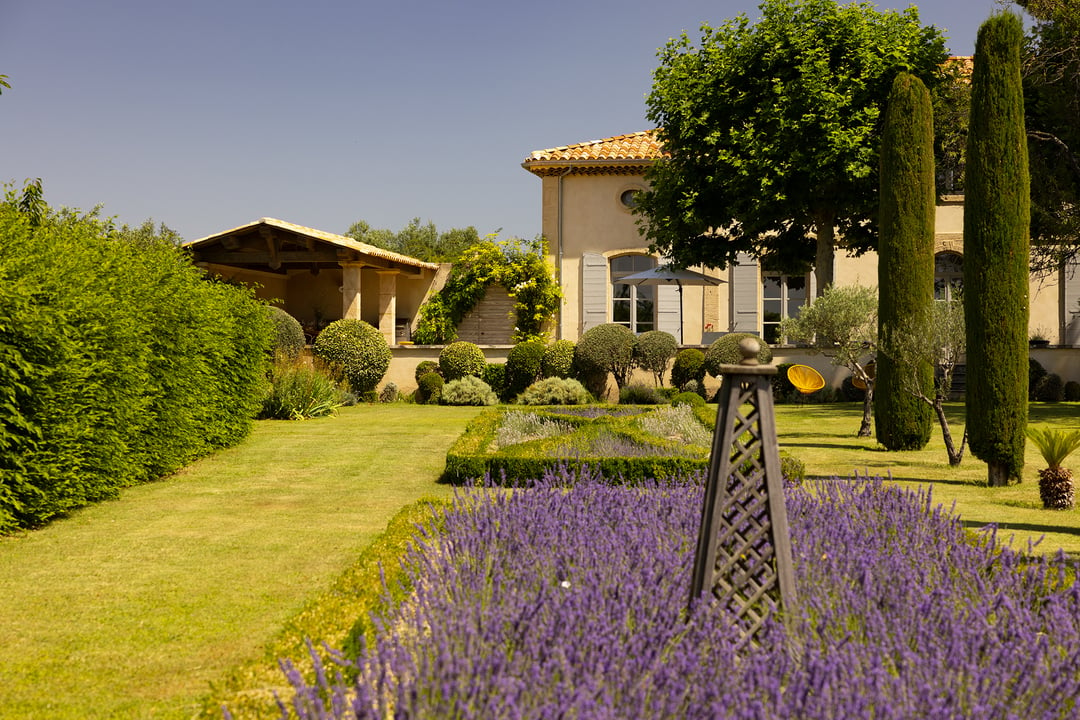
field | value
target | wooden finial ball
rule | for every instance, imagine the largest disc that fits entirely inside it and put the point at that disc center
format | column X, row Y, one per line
column 749, row 349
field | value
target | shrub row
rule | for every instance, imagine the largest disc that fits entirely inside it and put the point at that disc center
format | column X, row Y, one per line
column 119, row 362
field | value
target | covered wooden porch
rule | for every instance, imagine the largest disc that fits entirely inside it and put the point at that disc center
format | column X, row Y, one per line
column 318, row 277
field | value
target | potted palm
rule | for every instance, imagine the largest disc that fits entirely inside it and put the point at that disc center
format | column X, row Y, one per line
column 1055, row 482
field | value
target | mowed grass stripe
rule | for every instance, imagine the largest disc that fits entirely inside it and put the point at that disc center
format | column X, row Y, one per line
column 129, row 609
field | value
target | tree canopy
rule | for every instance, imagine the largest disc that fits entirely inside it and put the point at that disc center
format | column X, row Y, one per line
column 421, row 241
column 772, row 132
column 1051, row 79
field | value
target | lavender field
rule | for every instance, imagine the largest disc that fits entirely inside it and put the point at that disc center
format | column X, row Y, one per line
column 568, row 600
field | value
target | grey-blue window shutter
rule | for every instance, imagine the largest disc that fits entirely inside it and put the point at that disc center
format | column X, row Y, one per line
column 745, row 289
column 668, row 310
column 594, row 290
column 1070, row 299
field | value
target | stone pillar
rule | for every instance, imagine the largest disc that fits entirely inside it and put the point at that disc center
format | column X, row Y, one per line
column 388, row 305
column 350, row 289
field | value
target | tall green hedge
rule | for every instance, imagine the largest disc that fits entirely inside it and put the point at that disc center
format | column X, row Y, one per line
column 996, row 249
column 121, row 362
column 905, row 257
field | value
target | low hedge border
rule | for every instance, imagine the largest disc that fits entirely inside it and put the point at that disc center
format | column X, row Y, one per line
column 469, row 459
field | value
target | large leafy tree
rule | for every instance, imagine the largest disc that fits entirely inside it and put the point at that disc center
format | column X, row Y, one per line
column 772, row 132
column 419, row 240
column 996, row 248
column 1051, row 78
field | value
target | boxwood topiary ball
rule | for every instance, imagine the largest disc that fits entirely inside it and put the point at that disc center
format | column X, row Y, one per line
column 725, row 351
column 558, row 359
column 358, row 349
column 289, row 339
column 462, row 358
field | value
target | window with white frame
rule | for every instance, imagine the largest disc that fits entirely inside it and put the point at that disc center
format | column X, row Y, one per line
column 632, row 305
column 781, row 297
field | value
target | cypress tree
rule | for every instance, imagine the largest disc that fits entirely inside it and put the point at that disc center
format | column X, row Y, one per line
column 906, row 256
column 996, row 248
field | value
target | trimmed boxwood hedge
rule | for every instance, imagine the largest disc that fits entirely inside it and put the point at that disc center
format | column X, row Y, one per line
column 469, row 459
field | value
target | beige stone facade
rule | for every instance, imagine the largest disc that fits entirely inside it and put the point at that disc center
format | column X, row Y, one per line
column 588, row 225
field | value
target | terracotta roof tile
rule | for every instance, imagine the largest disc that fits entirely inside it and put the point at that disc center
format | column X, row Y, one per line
column 619, row 154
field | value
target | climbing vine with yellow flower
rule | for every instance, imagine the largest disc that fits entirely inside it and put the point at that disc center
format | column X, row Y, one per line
column 518, row 265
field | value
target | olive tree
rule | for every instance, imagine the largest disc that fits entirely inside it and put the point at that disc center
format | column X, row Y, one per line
column 842, row 326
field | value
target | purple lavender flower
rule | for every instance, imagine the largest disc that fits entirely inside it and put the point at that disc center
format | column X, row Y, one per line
column 568, row 600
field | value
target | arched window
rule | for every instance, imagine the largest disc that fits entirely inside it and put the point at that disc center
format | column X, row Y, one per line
column 633, row 305
column 948, row 275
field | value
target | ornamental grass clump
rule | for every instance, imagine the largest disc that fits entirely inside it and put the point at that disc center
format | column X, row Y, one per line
column 569, row 600
column 299, row 391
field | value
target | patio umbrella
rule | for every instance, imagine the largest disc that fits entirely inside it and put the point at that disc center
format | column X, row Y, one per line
column 668, row 275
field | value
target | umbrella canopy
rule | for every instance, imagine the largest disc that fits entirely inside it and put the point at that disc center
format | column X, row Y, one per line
column 665, row 275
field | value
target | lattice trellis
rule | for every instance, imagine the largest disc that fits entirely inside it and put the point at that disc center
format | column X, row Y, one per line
column 744, row 549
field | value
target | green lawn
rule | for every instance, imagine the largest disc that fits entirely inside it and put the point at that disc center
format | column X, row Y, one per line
column 823, row 436
column 130, row 608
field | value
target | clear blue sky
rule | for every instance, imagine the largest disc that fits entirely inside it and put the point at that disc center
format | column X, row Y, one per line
column 208, row 114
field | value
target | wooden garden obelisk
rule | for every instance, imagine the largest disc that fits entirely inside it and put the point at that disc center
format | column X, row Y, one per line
column 744, row 548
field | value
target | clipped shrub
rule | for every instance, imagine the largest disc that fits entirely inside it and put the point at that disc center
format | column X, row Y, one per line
column 389, row 393
column 654, row 351
column 423, row 368
column 429, row 389
column 523, row 366
column 725, row 351
column 688, row 398
column 1050, row 388
column 1036, row 372
column 689, row 364
column 357, row 349
column 289, row 337
column 495, row 377
column 603, row 349
column 696, row 387
column 558, row 359
column 638, row 394
column 792, row 468
column 468, row 390
column 555, row 391
column 298, row 391
column 461, row 358
column 1072, row 391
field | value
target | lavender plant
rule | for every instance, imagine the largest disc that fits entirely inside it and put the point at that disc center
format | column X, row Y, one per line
column 677, row 422
column 518, row 427
column 568, row 600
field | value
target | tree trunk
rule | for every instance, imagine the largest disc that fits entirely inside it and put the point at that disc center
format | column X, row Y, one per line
column 867, row 408
column 826, row 251
column 955, row 456
column 997, row 473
